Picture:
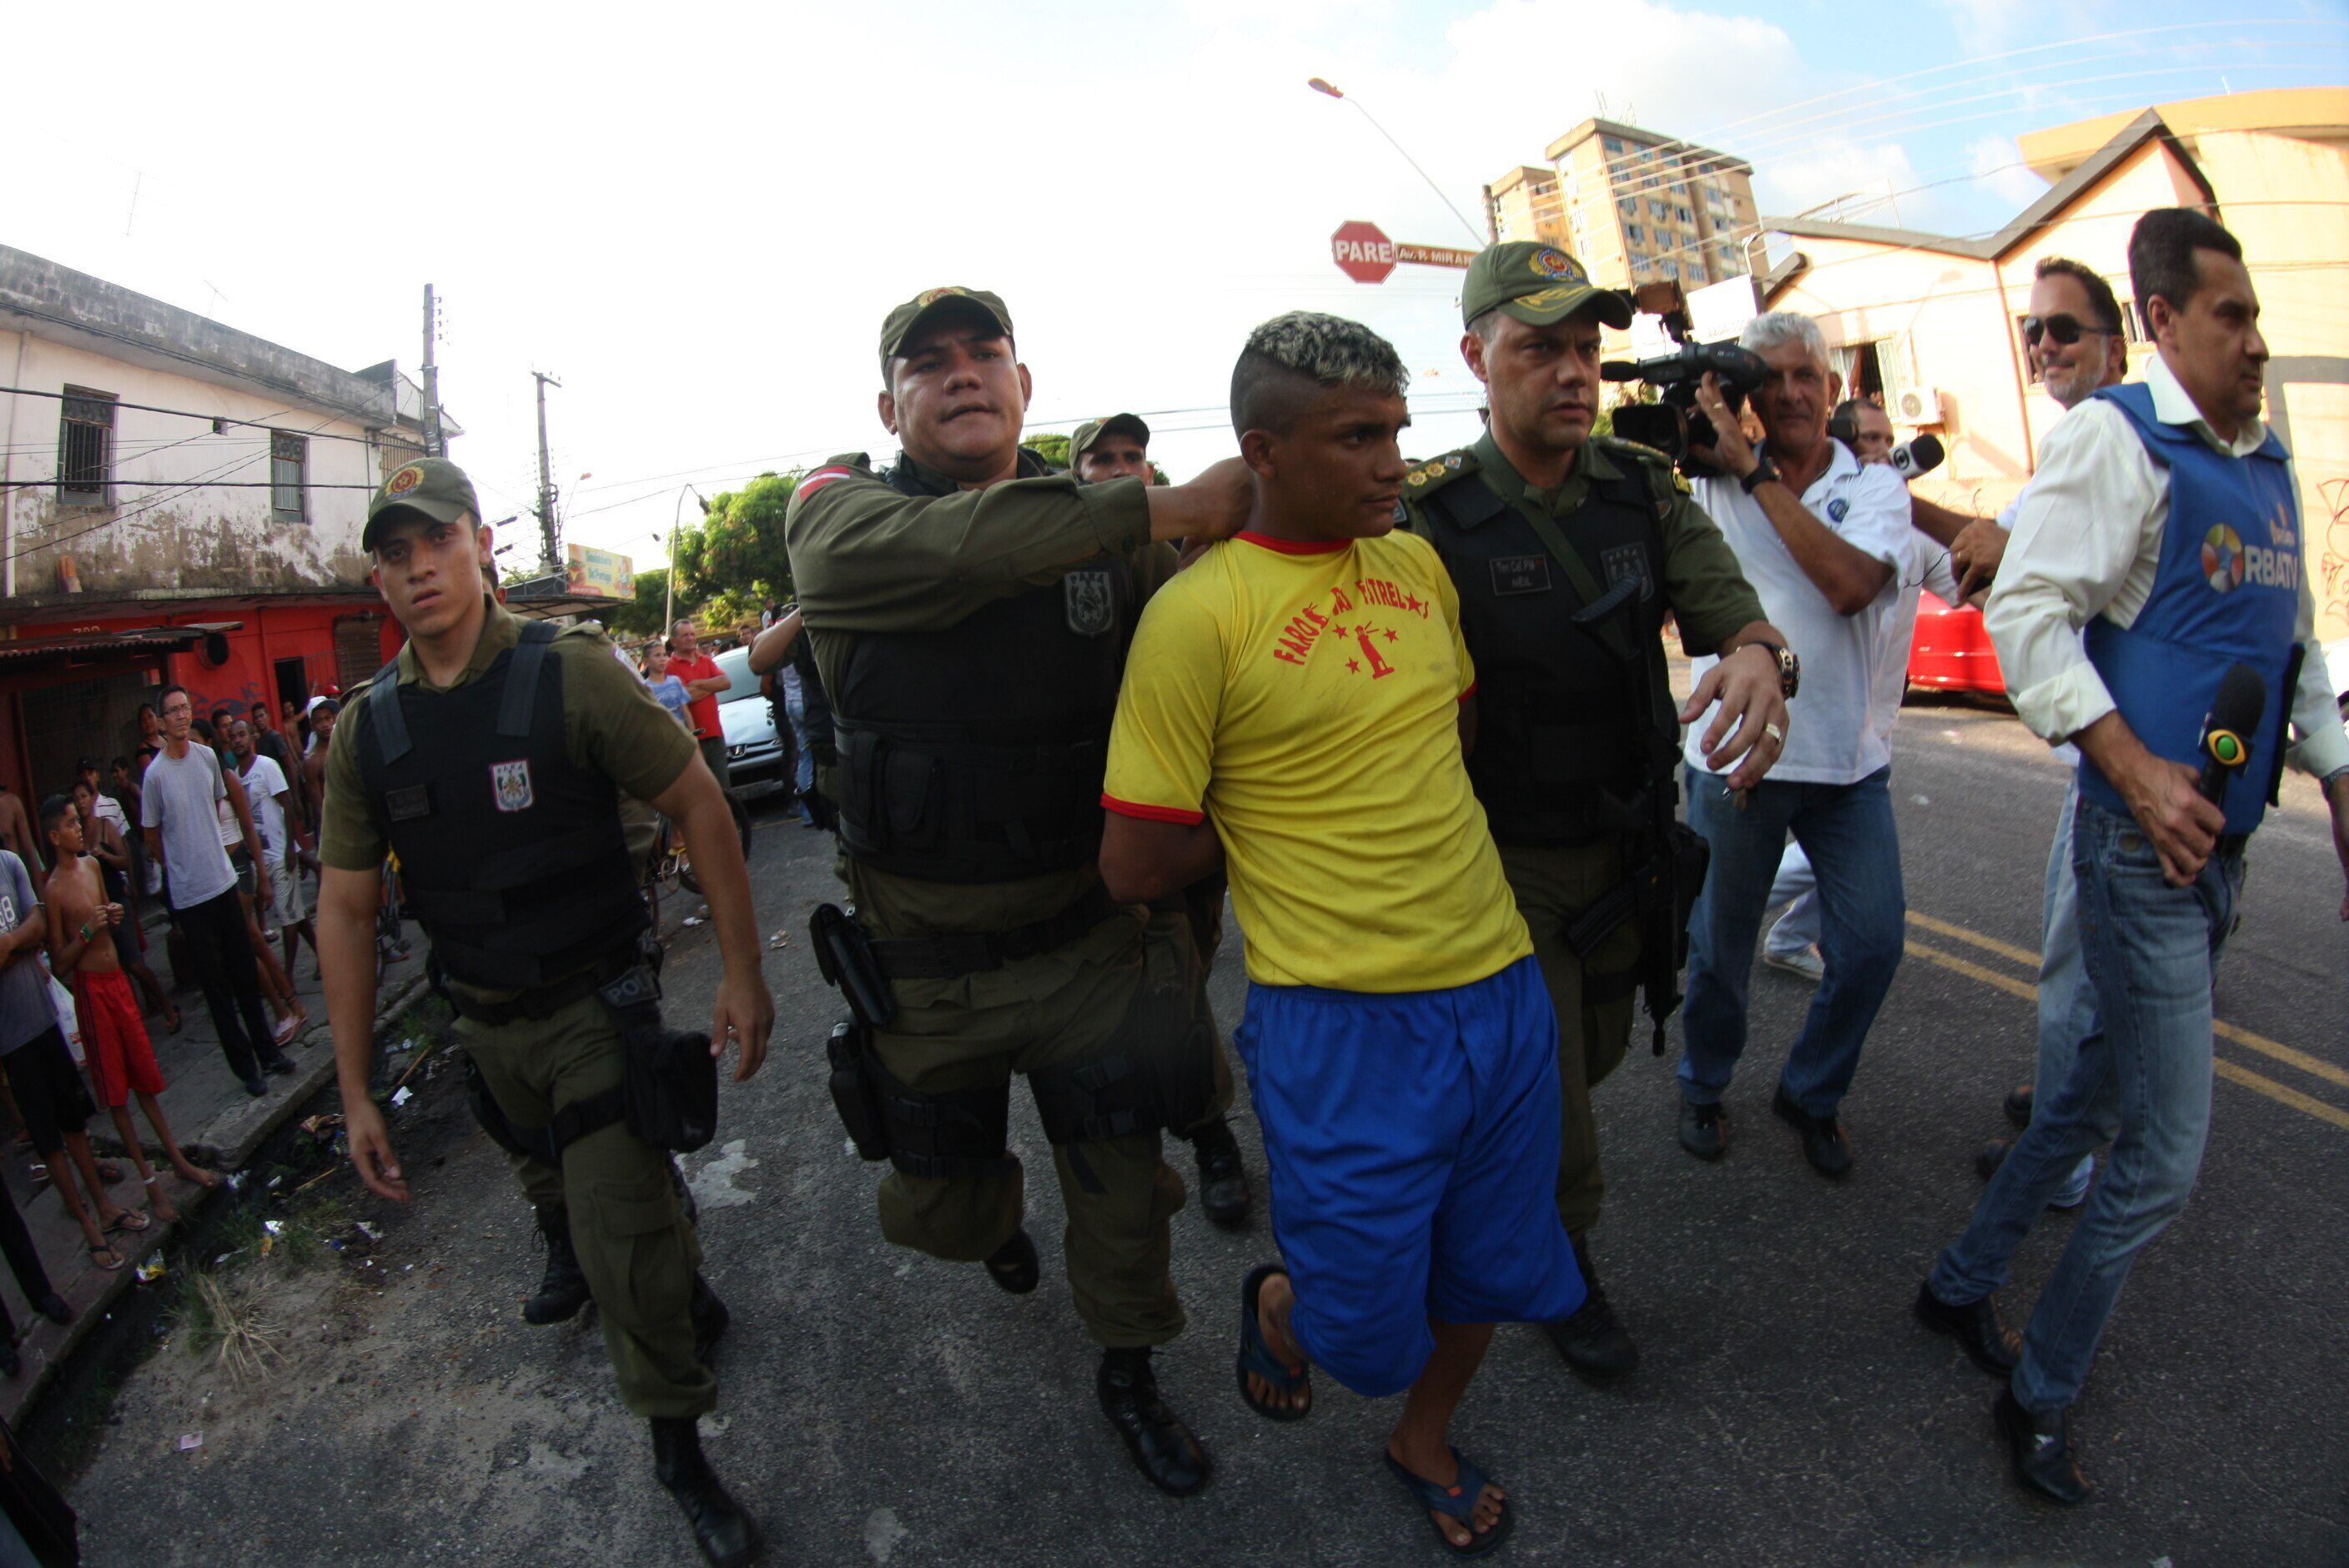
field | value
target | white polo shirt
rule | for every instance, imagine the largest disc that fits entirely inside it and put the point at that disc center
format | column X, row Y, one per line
column 1840, row 723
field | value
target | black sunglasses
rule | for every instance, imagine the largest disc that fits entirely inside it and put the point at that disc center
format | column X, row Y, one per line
column 2064, row 329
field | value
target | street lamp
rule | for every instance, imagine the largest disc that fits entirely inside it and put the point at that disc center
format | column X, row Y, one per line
column 1324, row 87
column 668, row 604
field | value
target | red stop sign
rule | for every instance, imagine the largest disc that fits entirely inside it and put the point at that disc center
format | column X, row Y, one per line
column 1362, row 252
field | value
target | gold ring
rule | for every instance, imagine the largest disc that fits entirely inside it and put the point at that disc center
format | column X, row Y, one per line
column 1774, row 733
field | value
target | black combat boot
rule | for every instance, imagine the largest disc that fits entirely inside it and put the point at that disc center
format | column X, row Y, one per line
column 563, row 1290
column 1223, row 1180
column 709, row 1320
column 727, row 1535
column 1593, row 1341
column 1163, row 1448
column 1014, row 1266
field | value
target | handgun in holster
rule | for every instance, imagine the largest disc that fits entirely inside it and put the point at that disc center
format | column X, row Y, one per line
column 843, row 955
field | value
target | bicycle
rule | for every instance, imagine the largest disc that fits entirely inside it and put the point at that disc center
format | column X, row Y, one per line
column 669, row 863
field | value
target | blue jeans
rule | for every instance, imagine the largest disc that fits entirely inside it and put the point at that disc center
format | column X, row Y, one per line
column 1847, row 831
column 2067, row 1002
column 804, row 769
column 2150, row 950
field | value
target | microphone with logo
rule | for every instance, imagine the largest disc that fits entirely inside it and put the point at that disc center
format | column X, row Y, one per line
column 2234, row 718
column 1914, row 459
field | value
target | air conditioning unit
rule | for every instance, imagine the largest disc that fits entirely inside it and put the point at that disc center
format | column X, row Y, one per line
column 1918, row 406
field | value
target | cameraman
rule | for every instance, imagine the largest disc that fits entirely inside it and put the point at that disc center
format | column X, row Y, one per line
column 1573, row 733
column 1822, row 539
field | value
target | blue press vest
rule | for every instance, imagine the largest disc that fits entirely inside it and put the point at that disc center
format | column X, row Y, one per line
column 2226, row 592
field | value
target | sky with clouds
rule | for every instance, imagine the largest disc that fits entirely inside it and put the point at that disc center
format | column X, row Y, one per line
column 696, row 216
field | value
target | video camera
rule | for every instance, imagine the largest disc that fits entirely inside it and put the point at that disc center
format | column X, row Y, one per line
column 1673, row 424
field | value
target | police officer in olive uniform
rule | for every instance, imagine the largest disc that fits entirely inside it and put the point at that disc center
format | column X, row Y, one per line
column 1118, row 448
column 492, row 756
column 970, row 609
column 1569, row 550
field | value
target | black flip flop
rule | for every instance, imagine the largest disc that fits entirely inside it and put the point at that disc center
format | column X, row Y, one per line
column 1459, row 1502
column 1255, row 1356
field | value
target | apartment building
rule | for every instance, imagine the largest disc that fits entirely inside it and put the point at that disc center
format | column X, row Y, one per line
column 1634, row 206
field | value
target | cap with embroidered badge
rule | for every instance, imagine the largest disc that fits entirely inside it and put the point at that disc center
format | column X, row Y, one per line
column 1539, row 284
column 430, row 487
column 1082, row 439
column 931, row 304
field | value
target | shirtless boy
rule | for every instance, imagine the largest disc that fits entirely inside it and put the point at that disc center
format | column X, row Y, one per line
column 114, row 1037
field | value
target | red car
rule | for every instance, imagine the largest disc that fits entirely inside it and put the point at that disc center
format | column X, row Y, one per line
column 1951, row 650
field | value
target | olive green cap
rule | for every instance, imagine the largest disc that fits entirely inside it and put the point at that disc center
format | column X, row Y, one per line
column 1539, row 284
column 430, row 487
column 1092, row 431
column 928, row 306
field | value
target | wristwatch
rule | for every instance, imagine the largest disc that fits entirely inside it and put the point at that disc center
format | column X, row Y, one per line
column 1790, row 668
column 1764, row 472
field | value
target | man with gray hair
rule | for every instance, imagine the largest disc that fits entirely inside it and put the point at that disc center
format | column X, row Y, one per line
column 1291, row 711
column 1822, row 538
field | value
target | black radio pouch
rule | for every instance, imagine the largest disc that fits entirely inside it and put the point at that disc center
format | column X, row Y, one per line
column 671, row 1079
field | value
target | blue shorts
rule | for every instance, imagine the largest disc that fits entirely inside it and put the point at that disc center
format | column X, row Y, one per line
column 1413, row 1144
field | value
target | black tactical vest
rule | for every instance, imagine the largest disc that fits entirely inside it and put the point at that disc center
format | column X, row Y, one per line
column 975, row 753
column 511, row 858
column 1569, row 734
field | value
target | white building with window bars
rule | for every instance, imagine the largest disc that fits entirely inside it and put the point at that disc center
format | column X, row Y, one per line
column 160, row 469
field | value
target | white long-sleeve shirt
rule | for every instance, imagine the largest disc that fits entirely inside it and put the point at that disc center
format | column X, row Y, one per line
column 2088, row 543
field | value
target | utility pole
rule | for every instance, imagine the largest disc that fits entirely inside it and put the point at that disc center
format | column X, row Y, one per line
column 434, row 446
column 548, row 531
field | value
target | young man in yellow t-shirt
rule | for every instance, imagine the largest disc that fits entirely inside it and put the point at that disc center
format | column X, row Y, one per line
column 1289, row 711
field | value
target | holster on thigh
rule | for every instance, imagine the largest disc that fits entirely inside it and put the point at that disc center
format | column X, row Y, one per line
column 544, row 1144
column 962, row 1132
column 1158, row 1071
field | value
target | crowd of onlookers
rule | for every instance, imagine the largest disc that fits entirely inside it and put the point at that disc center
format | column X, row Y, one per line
column 200, row 837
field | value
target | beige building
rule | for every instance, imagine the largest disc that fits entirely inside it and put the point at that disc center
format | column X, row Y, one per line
column 1632, row 206
column 1930, row 323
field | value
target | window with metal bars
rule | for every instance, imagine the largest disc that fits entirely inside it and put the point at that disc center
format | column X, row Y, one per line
column 289, row 460
column 85, row 449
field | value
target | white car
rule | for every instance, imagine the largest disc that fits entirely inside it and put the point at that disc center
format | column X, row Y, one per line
column 755, row 754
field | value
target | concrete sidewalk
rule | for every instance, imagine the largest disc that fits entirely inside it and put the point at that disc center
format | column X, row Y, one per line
column 214, row 1120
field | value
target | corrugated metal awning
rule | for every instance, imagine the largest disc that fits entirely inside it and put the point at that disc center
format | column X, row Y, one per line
column 89, row 648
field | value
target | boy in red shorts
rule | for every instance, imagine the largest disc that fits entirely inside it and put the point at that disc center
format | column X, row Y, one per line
column 114, row 1037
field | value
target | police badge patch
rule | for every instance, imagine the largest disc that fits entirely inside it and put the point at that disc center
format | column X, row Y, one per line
column 1627, row 562
column 510, row 783
column 1091, row 607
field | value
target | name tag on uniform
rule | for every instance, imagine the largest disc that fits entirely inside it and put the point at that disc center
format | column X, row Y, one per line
column 407, row 805
column 1520, row 574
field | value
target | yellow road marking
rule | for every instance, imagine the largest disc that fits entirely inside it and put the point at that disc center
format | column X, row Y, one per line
column 2276, row 1091
column 1972, row 971
column 2023, row 956
column 2226, row 1070
column 2315, row 1067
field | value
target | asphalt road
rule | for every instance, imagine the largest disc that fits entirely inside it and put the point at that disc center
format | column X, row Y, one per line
column 878, row 1405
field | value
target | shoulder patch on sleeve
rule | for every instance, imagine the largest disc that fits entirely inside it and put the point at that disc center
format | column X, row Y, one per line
column 845, row 465
column 1429, row 477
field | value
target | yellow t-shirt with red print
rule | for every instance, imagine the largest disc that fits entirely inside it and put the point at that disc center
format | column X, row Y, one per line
column 1305, row 698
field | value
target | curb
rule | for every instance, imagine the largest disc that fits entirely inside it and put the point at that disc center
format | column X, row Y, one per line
column 45, row 1359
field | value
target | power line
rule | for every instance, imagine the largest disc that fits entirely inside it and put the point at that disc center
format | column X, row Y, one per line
column 314, row 432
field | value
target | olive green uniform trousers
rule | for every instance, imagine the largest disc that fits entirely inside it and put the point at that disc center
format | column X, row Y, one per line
column 980, row 1028
column 636, row 1246
column 1554, row 886
column 1203, row 906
